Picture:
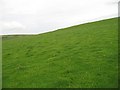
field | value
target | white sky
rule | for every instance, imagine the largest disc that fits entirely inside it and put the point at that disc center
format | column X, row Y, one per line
column 39, row 16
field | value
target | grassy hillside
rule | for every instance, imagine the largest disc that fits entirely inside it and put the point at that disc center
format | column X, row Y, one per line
column 82, row 56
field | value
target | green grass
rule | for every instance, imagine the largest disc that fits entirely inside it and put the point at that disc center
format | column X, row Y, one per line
column 0, row 62
column 82, row 56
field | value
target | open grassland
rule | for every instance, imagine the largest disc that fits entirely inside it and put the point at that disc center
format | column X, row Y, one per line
column 82, row 56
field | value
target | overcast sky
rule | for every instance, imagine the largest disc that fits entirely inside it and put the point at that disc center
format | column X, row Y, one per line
column 39, row 16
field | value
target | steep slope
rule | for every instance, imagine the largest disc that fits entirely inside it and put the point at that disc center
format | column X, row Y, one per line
column 81, row 56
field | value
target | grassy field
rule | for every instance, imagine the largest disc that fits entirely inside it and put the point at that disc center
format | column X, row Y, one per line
column 82, row 56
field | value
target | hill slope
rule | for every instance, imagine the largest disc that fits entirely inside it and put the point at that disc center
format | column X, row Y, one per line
column 82, row 56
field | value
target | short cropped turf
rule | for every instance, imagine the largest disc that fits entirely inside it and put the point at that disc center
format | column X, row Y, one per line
column 82, row 56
